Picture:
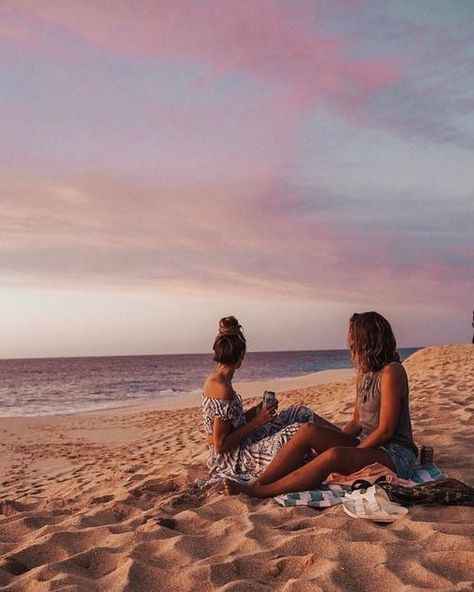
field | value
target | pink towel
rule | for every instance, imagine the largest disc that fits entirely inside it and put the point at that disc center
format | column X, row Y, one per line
column 369, row 473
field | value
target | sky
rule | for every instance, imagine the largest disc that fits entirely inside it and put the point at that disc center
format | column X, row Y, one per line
column 163, row 164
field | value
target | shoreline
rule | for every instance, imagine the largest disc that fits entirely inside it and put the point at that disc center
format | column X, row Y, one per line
column 247, row 389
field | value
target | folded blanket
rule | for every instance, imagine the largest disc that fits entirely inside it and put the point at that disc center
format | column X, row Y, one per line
column 370, row 473
column 331, row 495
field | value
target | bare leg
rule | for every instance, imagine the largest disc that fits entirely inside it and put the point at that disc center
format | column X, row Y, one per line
column 291, row 456
column 341, row 460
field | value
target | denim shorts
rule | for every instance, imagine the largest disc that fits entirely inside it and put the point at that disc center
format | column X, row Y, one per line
column 403, row 459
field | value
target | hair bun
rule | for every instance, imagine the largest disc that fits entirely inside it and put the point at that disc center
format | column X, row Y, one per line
column 229, row 326
column 229, row 345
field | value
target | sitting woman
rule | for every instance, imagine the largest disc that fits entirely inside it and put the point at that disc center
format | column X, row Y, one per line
column 380, row 429
column 241, row 444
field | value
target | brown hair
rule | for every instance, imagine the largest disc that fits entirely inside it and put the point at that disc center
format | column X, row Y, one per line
column 230, row 342
column 371, row 341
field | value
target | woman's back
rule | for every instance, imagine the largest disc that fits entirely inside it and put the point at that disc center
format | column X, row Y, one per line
column 368, row 404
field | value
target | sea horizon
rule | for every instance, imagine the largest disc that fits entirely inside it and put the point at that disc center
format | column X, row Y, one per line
column 148, row 355
column 56, row 386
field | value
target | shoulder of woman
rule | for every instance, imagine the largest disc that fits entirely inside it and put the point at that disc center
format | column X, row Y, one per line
column 216, row 389
column 393, row 372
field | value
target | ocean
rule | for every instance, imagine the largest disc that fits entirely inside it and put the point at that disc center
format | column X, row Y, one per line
column 54, row 386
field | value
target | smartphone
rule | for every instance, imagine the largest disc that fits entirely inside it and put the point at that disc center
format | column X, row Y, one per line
column 270, row 399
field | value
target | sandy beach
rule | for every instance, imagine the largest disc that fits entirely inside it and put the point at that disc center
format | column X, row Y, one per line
column 102, row 502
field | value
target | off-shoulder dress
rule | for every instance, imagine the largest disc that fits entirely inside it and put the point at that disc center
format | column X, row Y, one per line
column 247, row 460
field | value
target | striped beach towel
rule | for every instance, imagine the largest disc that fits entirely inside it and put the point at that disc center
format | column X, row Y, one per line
column 331, row 495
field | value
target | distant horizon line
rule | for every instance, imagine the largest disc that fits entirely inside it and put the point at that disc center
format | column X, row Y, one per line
column 273, row 351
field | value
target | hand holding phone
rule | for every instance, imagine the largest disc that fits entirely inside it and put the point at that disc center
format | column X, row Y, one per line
column 270, row 399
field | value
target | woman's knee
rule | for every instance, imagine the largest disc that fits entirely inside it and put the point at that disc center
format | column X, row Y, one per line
column 335, row 454
column 304, row 436
column 307, row 430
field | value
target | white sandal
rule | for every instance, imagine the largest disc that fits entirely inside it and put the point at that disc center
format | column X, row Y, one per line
column 372, row 504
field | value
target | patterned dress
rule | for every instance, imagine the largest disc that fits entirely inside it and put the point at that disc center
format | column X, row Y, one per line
column 247, row 460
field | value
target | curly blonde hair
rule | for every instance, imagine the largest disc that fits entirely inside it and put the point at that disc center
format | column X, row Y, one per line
column 371, row 342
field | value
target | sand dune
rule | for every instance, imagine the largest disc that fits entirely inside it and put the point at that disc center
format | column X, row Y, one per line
column 102, row 502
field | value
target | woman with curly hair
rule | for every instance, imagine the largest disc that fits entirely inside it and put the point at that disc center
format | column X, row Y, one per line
column 379, row 431
column 241, row 444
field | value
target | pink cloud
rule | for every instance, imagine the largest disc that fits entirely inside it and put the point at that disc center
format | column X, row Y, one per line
column 269, row 43
column 265, row 39
column 218, row 213
column 97, row 230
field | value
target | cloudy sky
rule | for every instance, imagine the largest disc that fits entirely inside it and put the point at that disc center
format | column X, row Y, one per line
column 166, row 163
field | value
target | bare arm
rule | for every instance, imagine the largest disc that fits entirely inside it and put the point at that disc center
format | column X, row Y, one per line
column 225, row 438
column 392, row 387
column 251, row 413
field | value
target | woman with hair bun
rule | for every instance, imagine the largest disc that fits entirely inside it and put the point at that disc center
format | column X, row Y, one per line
column 379, row 431
column 241, row 444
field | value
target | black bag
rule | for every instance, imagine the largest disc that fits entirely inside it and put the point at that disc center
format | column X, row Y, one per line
column 442, row 491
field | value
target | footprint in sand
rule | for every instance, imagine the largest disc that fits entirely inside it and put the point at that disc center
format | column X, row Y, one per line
column 101, row 499
column 13, row 567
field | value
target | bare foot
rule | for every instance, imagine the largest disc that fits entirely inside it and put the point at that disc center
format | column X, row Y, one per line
column 233, row 488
